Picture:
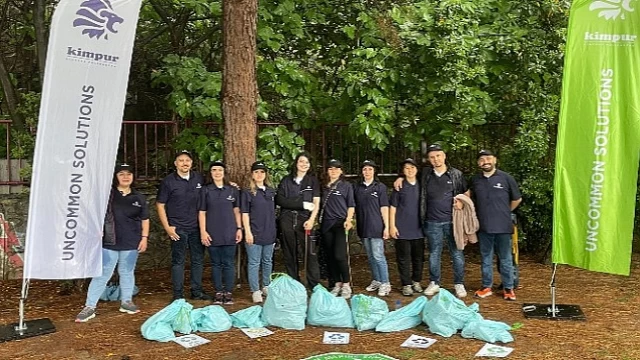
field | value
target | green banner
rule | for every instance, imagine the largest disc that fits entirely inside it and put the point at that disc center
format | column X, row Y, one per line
column 343, row 356
column 598, row 137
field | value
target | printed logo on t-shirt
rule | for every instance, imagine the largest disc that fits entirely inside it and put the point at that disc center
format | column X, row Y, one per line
column 136, row 204
column 374, row 194
column 449, row 182
column 231, row 198
column 198, row 186
column 498, row 186
column 337, row 193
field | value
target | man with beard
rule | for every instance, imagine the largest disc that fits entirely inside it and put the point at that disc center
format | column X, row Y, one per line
column 177, row 204
column 495, row 194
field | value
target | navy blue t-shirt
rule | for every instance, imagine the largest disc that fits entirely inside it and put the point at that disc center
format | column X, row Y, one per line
column 180, row 197
column 440, row 198
column 220, row 220
column 308, row 188
column 369, row 200
column 335, row 205
column 492, row 197
column 407, row 204
column 261, row 208
column 128, row 213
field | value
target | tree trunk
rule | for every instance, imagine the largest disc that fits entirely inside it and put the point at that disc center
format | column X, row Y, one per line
column 239, row 87
column 10, row 96
column 41, row 36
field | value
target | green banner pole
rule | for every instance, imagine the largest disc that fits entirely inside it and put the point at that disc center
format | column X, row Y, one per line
column 598, row 137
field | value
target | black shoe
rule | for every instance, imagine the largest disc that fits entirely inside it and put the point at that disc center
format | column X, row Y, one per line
column 201, row 296
column 176, row 297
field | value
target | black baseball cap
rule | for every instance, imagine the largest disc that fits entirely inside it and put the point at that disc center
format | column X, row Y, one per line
column 434, row 147
column 217, row 163
column 408, row 161
column 184, row 152
column 258, row 165
column 334, row 163
column 369, row 163
column 124, row 167
column 485, row 153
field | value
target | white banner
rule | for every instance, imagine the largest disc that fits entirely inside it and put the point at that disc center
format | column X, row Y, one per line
column 81, row 111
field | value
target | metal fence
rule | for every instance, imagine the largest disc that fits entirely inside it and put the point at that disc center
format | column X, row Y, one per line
column 150, row 147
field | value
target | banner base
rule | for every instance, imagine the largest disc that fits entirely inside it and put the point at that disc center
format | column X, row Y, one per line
column 562, row 312
column 31, row 328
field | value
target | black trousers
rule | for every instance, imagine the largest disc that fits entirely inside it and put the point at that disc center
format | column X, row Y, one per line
column 410, row 259
column 334, row 242
column 292, row 230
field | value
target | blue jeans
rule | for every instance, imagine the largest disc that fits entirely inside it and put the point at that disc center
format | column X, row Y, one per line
column 257, row 255
column 437, row 233
column 377, row 260
column 190, row 240
column 501, row 244
column 223, row 272
column 126, row 261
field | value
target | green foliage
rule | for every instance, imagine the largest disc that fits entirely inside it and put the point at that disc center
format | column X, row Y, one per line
column 277, row 148
column 194, row 90
column 208, row 147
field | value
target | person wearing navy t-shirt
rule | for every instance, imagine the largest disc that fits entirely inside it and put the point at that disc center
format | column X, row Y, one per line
column 405, row 228
column 495, row 194
column 220, row 230
column 259, row 219
column 372, row 222
column 125, row 235
column 298, row 197
column 177, row 205
column 338, row 207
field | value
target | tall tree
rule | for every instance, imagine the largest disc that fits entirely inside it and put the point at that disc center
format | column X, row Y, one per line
column 239, row 86
column 41, row 35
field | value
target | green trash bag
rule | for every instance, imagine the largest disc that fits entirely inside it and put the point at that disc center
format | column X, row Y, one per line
column 368, row 311
column 250, row 317
column 212, row 318
column 406, row 317
column 487, row 330
column 445, row 314
column 286, row 305
column 162, row 325
column 328, row 310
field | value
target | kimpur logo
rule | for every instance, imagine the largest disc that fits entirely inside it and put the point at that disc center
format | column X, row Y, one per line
column 611, row 9
column 97, row 17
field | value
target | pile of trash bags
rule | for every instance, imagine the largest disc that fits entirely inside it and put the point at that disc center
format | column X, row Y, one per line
column 286, row 307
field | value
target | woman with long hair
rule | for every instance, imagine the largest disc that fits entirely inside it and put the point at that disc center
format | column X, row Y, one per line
column 338, row 207
column 220, row 230
column 372, row 222
column 299, row 200
column 259, row 219
column 126, row 232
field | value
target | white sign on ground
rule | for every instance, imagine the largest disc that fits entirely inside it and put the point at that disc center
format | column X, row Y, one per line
column 336, row 338
column 191, row 340
column 420, row 342
column 490, row 350
column 256, row 332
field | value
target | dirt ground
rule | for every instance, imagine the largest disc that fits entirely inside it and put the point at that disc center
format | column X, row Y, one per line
column 610, row 303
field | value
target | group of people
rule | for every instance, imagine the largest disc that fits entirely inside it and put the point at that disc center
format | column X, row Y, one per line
column 216, row 216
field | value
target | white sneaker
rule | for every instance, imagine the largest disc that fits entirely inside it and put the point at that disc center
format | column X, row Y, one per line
column 384, row 289
column 432, row 289
column 336, row 290
column 417, row 288
column 256, row 296
column 265, row 289
column 461, row 292
column 346, row 291
column 375, row 285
